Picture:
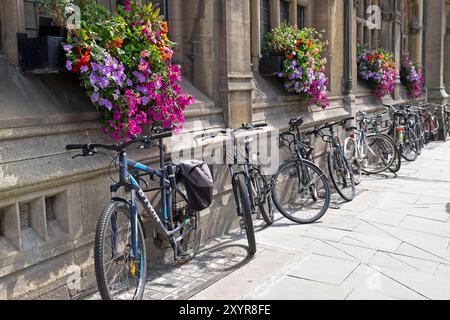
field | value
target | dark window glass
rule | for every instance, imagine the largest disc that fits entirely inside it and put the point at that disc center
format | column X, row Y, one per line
column 284, row 11
column 265, row 19
column 301, row 17
column 163, row 6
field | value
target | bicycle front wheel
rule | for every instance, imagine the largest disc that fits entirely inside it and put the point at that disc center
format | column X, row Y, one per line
column 341, row 175
column 301, row 191
column 351, row 153
column 246, row 213
column 120, row 273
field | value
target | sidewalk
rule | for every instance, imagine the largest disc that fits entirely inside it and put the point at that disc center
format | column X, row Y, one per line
column 391, row 242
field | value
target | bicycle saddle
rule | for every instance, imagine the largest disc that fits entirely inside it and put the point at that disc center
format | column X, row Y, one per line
column 295, row 122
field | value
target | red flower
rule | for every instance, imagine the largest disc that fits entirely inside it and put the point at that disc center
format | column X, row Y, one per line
column 83, row 61
column 165, row 27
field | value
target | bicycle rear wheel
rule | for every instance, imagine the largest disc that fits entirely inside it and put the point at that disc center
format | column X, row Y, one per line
column 410, row 147
column 264, row 197
column 246, row 209
column 119, row 275
column 341, row 175
column 190, row 235
column 301, row 191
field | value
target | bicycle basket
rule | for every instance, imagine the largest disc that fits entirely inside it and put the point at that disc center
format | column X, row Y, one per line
column 199, row 183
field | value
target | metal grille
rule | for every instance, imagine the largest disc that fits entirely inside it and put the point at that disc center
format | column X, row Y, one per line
column 265, row 19
column 284, row 11
column 24, row 214
column 50, row 208
column 301, row 17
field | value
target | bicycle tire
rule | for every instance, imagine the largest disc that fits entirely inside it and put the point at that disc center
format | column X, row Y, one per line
column 387, row 164
column 246, row 213
column 411, row 142
column 350, row 152
column 264, row 197
column 276, row 197
column 334, row 178
column 397, row 164
column 99, row 256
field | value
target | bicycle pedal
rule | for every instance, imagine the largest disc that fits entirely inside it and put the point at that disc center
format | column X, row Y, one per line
column 242, row 224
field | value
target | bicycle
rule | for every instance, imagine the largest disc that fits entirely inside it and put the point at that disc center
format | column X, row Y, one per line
column 340, row 170
column 377, row 124
column 119, row 250
column 250, row 186
column 430, row 124
column 371, row 153
column 446, row 122
column 300, row 187
column 403, row 132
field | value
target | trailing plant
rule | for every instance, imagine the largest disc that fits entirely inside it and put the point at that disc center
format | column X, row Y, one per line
column 124, row 61
column 412, row 77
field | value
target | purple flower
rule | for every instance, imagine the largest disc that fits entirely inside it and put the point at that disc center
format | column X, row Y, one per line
column 83, row 69
column 67, row 47
column 94, row 97
column 106, row 103
column 69, row 65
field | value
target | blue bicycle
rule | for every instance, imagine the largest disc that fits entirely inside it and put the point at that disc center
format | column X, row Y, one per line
column 120, row 251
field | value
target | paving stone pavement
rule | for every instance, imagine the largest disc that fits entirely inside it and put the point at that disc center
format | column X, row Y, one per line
column 391, row 242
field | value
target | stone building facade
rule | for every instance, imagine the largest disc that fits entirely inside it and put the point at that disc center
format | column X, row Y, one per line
column 49, row 203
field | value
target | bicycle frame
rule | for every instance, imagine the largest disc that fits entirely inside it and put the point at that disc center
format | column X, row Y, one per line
column 167, row 187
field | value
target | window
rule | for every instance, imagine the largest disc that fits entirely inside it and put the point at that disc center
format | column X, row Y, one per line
column 365, row 35
column 1, row 32
column 265, row 19
column 301, row 16
column 50, row 208
column 31, row 17
column 284, row 11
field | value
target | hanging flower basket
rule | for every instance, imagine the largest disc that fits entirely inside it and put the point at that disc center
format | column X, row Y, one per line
column 412, row 77
column 377, row 67
column 124, row 61
column 303, row 66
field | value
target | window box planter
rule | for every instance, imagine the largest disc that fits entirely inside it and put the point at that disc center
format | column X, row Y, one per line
column 48, row 29
column 271, row 64
column 42, row 54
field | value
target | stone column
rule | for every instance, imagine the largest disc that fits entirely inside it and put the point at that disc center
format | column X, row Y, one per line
column 255, row 32
column 396, row 46
column 434, row 51
column 13, row 22
column 275, row 12
column 348, row 31
column 236, row 84
column 293, row 12
column 447, row 54
column 416, row 32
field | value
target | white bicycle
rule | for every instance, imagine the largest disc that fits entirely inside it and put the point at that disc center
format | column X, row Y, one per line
column 370, row 153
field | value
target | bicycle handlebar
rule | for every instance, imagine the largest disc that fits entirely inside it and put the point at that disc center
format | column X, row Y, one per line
column 159, row 133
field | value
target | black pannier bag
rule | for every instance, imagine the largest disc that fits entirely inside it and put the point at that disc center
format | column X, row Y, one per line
column 199, row 183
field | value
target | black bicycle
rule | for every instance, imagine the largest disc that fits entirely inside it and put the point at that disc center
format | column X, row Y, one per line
column 300, row 189
column 403, row 131
column 446, row 122
column 250, row 187
column 120, row 255
column 340, row 170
